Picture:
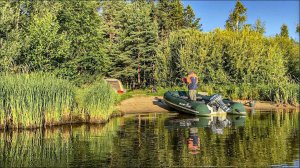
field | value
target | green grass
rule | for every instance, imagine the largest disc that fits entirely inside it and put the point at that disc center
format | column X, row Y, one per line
column 98, row 100
column 29, row 100
column 39, row 99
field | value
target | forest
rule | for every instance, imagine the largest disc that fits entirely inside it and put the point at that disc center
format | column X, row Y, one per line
column 144, row 43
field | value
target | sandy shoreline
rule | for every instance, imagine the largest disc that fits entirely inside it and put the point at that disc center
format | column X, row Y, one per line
column 152, row 104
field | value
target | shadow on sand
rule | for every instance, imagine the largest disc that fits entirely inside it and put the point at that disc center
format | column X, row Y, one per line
column 160, row 102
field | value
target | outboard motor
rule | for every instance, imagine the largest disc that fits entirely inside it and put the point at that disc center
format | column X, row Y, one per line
column 216, row 100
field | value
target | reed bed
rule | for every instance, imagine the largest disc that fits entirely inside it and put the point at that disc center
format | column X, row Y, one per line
column 41, row 99
column 34, row 100
column 97, row 101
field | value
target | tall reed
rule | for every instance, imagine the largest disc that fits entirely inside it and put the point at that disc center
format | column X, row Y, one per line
column 32, row 100
column 98, row 101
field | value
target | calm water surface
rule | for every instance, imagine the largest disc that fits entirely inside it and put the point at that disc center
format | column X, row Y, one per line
column 262, row 139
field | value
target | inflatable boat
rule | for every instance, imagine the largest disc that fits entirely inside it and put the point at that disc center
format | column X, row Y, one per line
column 204, row 105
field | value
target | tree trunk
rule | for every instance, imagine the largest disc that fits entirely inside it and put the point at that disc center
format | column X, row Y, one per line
column 139, row 74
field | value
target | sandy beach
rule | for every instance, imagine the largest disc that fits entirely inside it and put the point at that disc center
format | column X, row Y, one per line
column 151, row 104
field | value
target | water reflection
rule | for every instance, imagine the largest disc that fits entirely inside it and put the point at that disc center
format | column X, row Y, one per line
column 160, row 140
column 193, row 141
column 215, row 123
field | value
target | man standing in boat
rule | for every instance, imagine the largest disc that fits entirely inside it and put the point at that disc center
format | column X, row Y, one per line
column 192, row 82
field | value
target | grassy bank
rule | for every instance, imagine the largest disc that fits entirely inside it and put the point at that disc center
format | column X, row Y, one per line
column 37, row 100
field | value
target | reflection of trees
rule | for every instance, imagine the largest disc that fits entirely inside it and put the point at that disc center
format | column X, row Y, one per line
column 266, row 138
column 59, row 147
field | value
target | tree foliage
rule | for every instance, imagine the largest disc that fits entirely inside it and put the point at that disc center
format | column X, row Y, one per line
column 45, row 48
column 190, row 21
column 237, row 17
column 85, row 31
column 259, row 26
column 224, row 57
column 298, row 28
column 284, row 32
column 145, row 43
column 138, row 43
column 11, row 33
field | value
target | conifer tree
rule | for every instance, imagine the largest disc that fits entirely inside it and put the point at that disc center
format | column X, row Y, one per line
column 237, row 17
column 154, row 11
column 170, row 16
column 111, row 12
column 177, row 15
column 284, row 32
column 190, row 21
column 138, row 46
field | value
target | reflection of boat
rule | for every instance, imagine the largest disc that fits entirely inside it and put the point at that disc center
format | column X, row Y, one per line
column 187, row 122
column 236, row 120
column 214, row 122
column 204, row 106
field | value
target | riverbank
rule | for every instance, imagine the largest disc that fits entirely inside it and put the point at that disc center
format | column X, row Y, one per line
column 151, row 104
column 36, row 100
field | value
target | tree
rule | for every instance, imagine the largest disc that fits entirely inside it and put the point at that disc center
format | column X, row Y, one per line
column 284, row 32
column 170, row 17
column 85, row 30
column 259, row 26
column 236, row 18
column 134, row 65
column 111, row 12
column 45, row 49
column 177, row 15
column 298, row 28
column 10, row 34
column 190, row 21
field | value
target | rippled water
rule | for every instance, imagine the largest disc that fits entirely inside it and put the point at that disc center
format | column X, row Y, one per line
column 261, row 139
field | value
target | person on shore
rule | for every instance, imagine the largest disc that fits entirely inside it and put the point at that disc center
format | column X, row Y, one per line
column 192, row 82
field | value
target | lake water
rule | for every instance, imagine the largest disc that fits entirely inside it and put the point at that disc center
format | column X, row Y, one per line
column 261, row 139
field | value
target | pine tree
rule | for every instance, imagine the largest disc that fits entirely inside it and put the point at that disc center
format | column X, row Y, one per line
column 111, row 12
column 284, row 32
column 164, row 8
column 177, row 15
column 154, row 11
column 170, row 16
column 190, row 21
column 138, row 46
column 236, row 18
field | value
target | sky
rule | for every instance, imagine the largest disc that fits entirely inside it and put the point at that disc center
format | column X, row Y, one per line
column 274, row 13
